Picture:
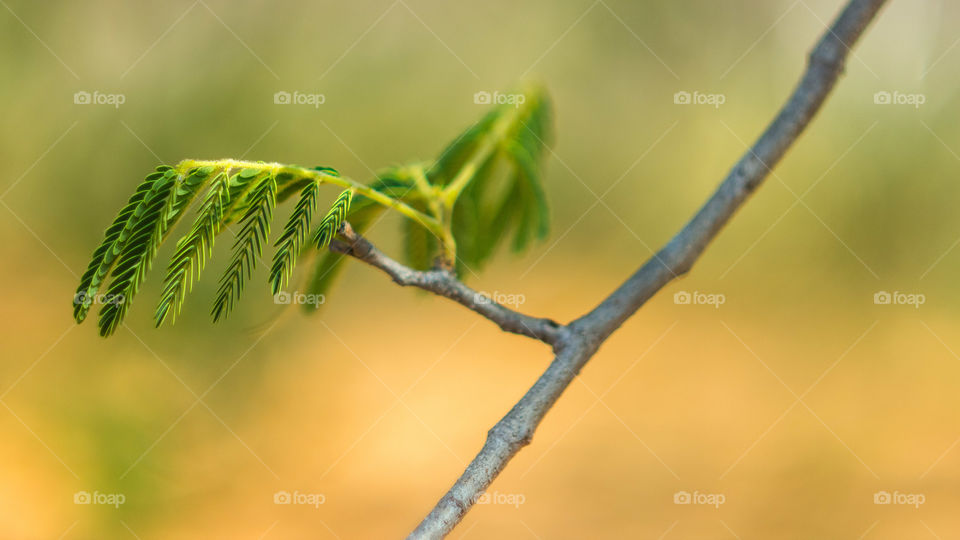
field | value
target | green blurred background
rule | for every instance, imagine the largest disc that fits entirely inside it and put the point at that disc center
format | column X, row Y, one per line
column 798, row 399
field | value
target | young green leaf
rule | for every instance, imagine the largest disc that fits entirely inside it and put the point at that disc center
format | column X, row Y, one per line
column 486, row 186
column 291, row 241
column 362, row 214
column 330, row 225
column 500, row 159
column 193, row 249
column 146, row 228
column 248, row 247
column 419, row 245
column 106, row 253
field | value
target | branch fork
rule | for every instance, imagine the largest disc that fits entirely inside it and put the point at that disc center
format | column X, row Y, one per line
column 575, row 343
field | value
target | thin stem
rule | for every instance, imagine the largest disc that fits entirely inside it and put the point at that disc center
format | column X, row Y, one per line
column 442, row 212
column 302, row 173
column 444, row 283
column 420, row 180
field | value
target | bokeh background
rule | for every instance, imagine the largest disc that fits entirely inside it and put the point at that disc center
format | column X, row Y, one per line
column 798, row 399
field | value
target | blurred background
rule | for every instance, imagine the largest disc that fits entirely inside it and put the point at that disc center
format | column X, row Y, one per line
column 786, row 400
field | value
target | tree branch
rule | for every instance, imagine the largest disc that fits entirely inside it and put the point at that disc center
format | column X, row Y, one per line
column 444, row 283
column 580, row 340
column 826, row 64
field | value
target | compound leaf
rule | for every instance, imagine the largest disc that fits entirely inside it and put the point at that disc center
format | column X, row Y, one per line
column 294, row 233
column 248, row 247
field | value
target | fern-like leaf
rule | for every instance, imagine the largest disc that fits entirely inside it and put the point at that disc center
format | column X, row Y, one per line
column 291, row 241
column 362, row 214
column 248, row 247
column 330, row 225
column 240, row 192
column 146, row 227
column 242, row 187
column 193, row 249
column 486, row 186
column 106, row 253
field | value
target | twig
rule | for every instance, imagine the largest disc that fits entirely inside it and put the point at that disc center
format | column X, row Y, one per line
column 576, row 343
column 444, row 283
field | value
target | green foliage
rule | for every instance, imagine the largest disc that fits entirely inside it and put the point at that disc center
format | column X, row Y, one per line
column 106, row 254
column 248, row 247
column 419, row 245
column 290, row 242
column 330, row 225
column 193, row 249
column 139, row 243
column 131, row 242
column 505, row 194
column 485, row 187
column 362, row 214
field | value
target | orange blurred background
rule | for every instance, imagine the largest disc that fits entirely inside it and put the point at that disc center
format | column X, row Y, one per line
column 798, row 403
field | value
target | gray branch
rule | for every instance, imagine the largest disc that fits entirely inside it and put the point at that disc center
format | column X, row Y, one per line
column 444, row 283
column 576, row 343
